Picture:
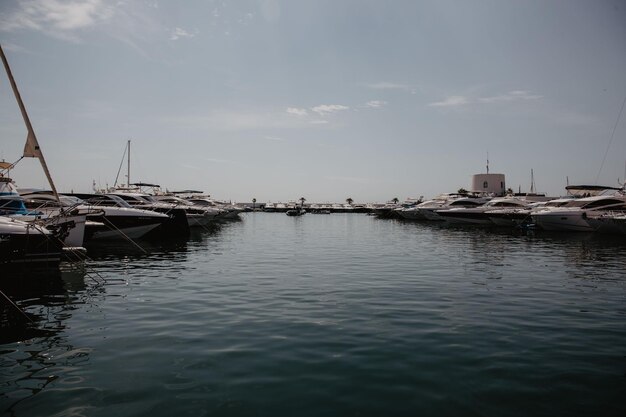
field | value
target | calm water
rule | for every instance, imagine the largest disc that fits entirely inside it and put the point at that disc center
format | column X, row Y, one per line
column 324, row 315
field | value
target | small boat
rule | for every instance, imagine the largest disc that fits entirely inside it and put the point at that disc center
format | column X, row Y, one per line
column 297, row 211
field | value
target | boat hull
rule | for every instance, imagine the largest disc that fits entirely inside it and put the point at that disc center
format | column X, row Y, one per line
column 34, row 247
column 565, row 222
column 465, row 217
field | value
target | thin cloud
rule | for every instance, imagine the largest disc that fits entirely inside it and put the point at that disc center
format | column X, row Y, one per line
column 324, row 109
column 389, row 86
column 318, row 122
column 7, row 46
column 56, row 18
column 188, row 166
column 136, row 24
column 375, row 104
column 219, row 161
column 179, row 33
column 233, row 120
column 273, row 138
column 452, row 101
column 297, row 112
column 511, row 96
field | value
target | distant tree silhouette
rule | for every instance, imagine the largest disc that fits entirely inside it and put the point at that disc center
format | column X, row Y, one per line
column 349, row 200
column 395, row 200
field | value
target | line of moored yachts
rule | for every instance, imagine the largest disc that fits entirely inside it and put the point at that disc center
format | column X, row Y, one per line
column 38, row 227
column 585, row 209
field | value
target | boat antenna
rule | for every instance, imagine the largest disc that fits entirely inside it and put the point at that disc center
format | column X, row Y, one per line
column 31, row 148
column 611, row 140
column 532, row 181
column 487, row 162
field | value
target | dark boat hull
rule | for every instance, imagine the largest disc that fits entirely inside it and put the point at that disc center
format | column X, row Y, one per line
column 29, row 249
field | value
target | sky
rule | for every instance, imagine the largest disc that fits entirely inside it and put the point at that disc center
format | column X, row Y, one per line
column 326, row 99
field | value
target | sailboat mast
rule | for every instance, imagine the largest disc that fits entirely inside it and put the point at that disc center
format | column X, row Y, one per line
column 32, row 148
column 128, row 172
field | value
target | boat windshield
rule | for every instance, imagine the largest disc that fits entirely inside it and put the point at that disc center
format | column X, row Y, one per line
column 604, row 202
column 505, row 203
column 148, row 198
column 109, row 201
column 70, row 201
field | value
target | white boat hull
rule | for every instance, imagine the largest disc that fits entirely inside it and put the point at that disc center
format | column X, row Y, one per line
column 560, row 221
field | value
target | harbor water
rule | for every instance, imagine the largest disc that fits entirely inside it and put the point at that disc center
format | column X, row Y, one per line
column 324, row 315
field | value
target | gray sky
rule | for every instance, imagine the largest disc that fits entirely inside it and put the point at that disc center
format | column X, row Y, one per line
column 322, row 99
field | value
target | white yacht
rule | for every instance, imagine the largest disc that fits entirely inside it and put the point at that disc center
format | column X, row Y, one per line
column 197, row 215
column 115, row 218
column 519, row 216
column 68, row 221
column 428, row 209
column 613, row 222
column 574, row 215
column 477, row 214
column 230, row 211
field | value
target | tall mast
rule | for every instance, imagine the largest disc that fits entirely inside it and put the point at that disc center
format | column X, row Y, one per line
column 128, row 172
column 31, row 148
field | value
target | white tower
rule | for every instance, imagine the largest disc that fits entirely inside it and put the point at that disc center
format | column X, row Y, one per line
column 488, row 183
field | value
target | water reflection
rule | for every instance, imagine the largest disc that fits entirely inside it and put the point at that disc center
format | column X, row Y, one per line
column 493, row 246
column 109, row 250
column 32, row 342
column 35, row 347
column 377, row 310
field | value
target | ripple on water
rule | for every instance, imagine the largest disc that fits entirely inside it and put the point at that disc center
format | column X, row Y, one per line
column 331, row 315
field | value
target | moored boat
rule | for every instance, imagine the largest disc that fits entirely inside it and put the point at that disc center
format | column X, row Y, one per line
column 574, row 215
column 27, row 243
column 478, row 215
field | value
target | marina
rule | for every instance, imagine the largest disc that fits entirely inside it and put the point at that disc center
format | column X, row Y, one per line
column 321, row 208
column 341, row 314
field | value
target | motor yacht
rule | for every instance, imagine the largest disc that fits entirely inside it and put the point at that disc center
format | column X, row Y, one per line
column 197, row 215
column 69, row 222
column 231, row 212
column 176, row 225
column 477, row 214
column 113, row 218
column 428, row 209
column 613, row 222
column 521, row 216
column 574, row 215
column 27, row 243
